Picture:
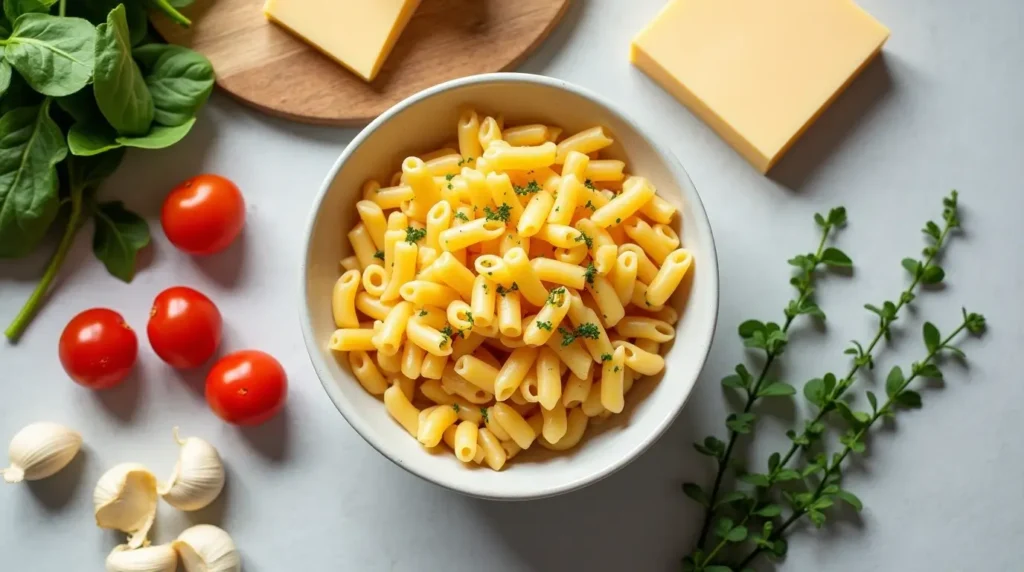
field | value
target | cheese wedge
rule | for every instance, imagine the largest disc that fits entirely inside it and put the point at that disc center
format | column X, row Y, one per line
column 759, row 72
column 359, row 34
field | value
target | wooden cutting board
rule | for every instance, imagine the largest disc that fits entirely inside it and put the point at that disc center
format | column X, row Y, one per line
column 267, row 67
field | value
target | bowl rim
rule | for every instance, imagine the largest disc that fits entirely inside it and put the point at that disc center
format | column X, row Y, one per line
column 700, row 213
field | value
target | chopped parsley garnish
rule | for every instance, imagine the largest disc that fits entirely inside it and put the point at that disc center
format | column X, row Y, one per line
column 469, row 318
column 590, row 273
column 556, row 296
column 544, row 325
column 502, row 290
column 462, row 216
column 423, row 313
column 585, row 238
column 558, row 209
column 379, row 254
column 449, row 178
column 484, row 288
column 618, row 220
column 483, row 411
column 585, row 330
column 589, row 184
column 414, row 235
column 616, row 369
column 455, row 407
column 447, row 334
column 530, row 188
column 590, row 206
column 503, row 213
column 606, row 357
column 465, row 161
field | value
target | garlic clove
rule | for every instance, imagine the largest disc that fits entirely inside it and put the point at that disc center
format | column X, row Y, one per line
column 40, row 450
column 161, row 558
column 206, row 548
column 125, row 499
column 198, row 476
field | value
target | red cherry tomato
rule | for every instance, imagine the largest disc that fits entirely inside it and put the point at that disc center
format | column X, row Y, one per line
column 98, row 348
column 203, row 215
column 184, row 327
column 246, row 388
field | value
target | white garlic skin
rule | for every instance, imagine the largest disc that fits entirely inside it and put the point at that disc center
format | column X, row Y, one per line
column 206, row 548
column 161, row 558
column 125, row 499
column 40, row 450
column 198, row 476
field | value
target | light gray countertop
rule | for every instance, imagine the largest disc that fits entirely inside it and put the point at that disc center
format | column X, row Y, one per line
column 942, row 487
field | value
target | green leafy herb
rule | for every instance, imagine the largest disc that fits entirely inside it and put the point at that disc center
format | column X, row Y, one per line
column 119, row 236
column 590, row 185
column 590, row 273
column 465, row 161
column 590, row 206
column 379, row 255
column 462, row 216
column 423, row 313
column 616, row 369
column 414, row 235
column 544, row 325
column 585, row 238
column 585, row 330
column 606, row 357
column 120, row 90
column 449, row 178
column 455, row 407
column 483, row 412
column 502, row 290
column 54, row 54
column 556, row 296
column 531, row 188
column 617, row 220
column 469, row 318
column 447, row 335
column 502, row 214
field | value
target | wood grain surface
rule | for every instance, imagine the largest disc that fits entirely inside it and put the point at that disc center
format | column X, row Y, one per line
column 269, row 68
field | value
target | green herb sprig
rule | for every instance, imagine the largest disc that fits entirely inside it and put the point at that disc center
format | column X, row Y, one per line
column 414, row 235
column 587, row 330
column 770, row 338
column 79, row 83
column 503, row 213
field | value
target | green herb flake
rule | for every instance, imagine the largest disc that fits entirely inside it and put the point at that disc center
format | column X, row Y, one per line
column 502, row 290
column 544, row 325
column 379, row 255
column 483, row 411
column 455, row 407
column 606, row 357
column 462, row 216
column 616, row 369
column 556, row 296
column 423, row 313
column 531, row 188
column 586, row 239
column 588, row 330
column 414, row 235
column 590, row 206
column 469, row 318
column 590, row 272
column 590, row 185
column 503, row 213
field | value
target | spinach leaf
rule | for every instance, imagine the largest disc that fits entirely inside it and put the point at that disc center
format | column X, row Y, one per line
column 81, row 106
column 53, row 54
column 121, row 92
column 179, row 80
column 96, row 11
column 86, row 173
column 119, row 236
column 19, row 94
column 31, row 145
column 159, row 136
column 5, row 76
column 91, row 137
column 15, row 8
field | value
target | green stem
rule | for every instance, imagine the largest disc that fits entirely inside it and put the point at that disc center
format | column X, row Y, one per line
column 172, row 13
column 834, row 466
column 31, row 306
column 723, row 464
column 62, row 8
column 721, row 543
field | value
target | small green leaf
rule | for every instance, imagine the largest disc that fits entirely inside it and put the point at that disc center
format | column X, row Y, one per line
column 837, row 216
column 787, row 475
column 931, row 336
column 723, row 526
column 769, row 511
column 777, row 388
column 932, row 274
column 733, row 381
column 159, row 136
column 894, row 382
column 909, row 399
column 756, row 479
column 696, row 493
column 750, row 327
column 819, row 220
column 118, row 237
column 930, row 371
column 121, row 92
column 730, row 497
column 179, row 79
column 91, row 138
column 873, row 400
column 737, row 534
column 850, row 499
column 773, row 462
column 740, row 422
column 818, row 518
column 814, row 391
column 912, row 266
column 836, row 258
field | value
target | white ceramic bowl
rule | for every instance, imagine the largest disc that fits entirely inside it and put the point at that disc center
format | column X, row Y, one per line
column 424, row 122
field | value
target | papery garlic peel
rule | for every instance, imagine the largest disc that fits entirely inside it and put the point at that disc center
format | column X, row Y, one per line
column 161, row 558
column 198, row 476
column 125, row 499
column 40, row 450
column 206, row 548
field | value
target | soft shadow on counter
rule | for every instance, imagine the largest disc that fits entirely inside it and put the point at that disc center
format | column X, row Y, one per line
column 271, row 439
column 56, row 492
column 124, row 400
column 826, row 136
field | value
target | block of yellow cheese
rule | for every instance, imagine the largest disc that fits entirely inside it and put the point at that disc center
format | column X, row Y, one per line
column 359, row 34
column 759, row 72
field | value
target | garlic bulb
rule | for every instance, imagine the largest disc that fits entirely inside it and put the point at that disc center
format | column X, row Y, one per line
column 161, row 558
column 125, row 500
column 206, row 548
column 40, row 450
column 198, row 476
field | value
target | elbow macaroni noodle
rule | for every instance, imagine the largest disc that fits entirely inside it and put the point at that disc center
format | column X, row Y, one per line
column 505, row 293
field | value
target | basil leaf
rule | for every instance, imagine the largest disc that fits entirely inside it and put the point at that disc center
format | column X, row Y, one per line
column 96, row 11
column 53, row 54
column 15, row 8
column 179, row 79
column 118, row 237
column 121, row 92
column 31, row 145
column 159, row 136
column 5, row 76
column 87, row 138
